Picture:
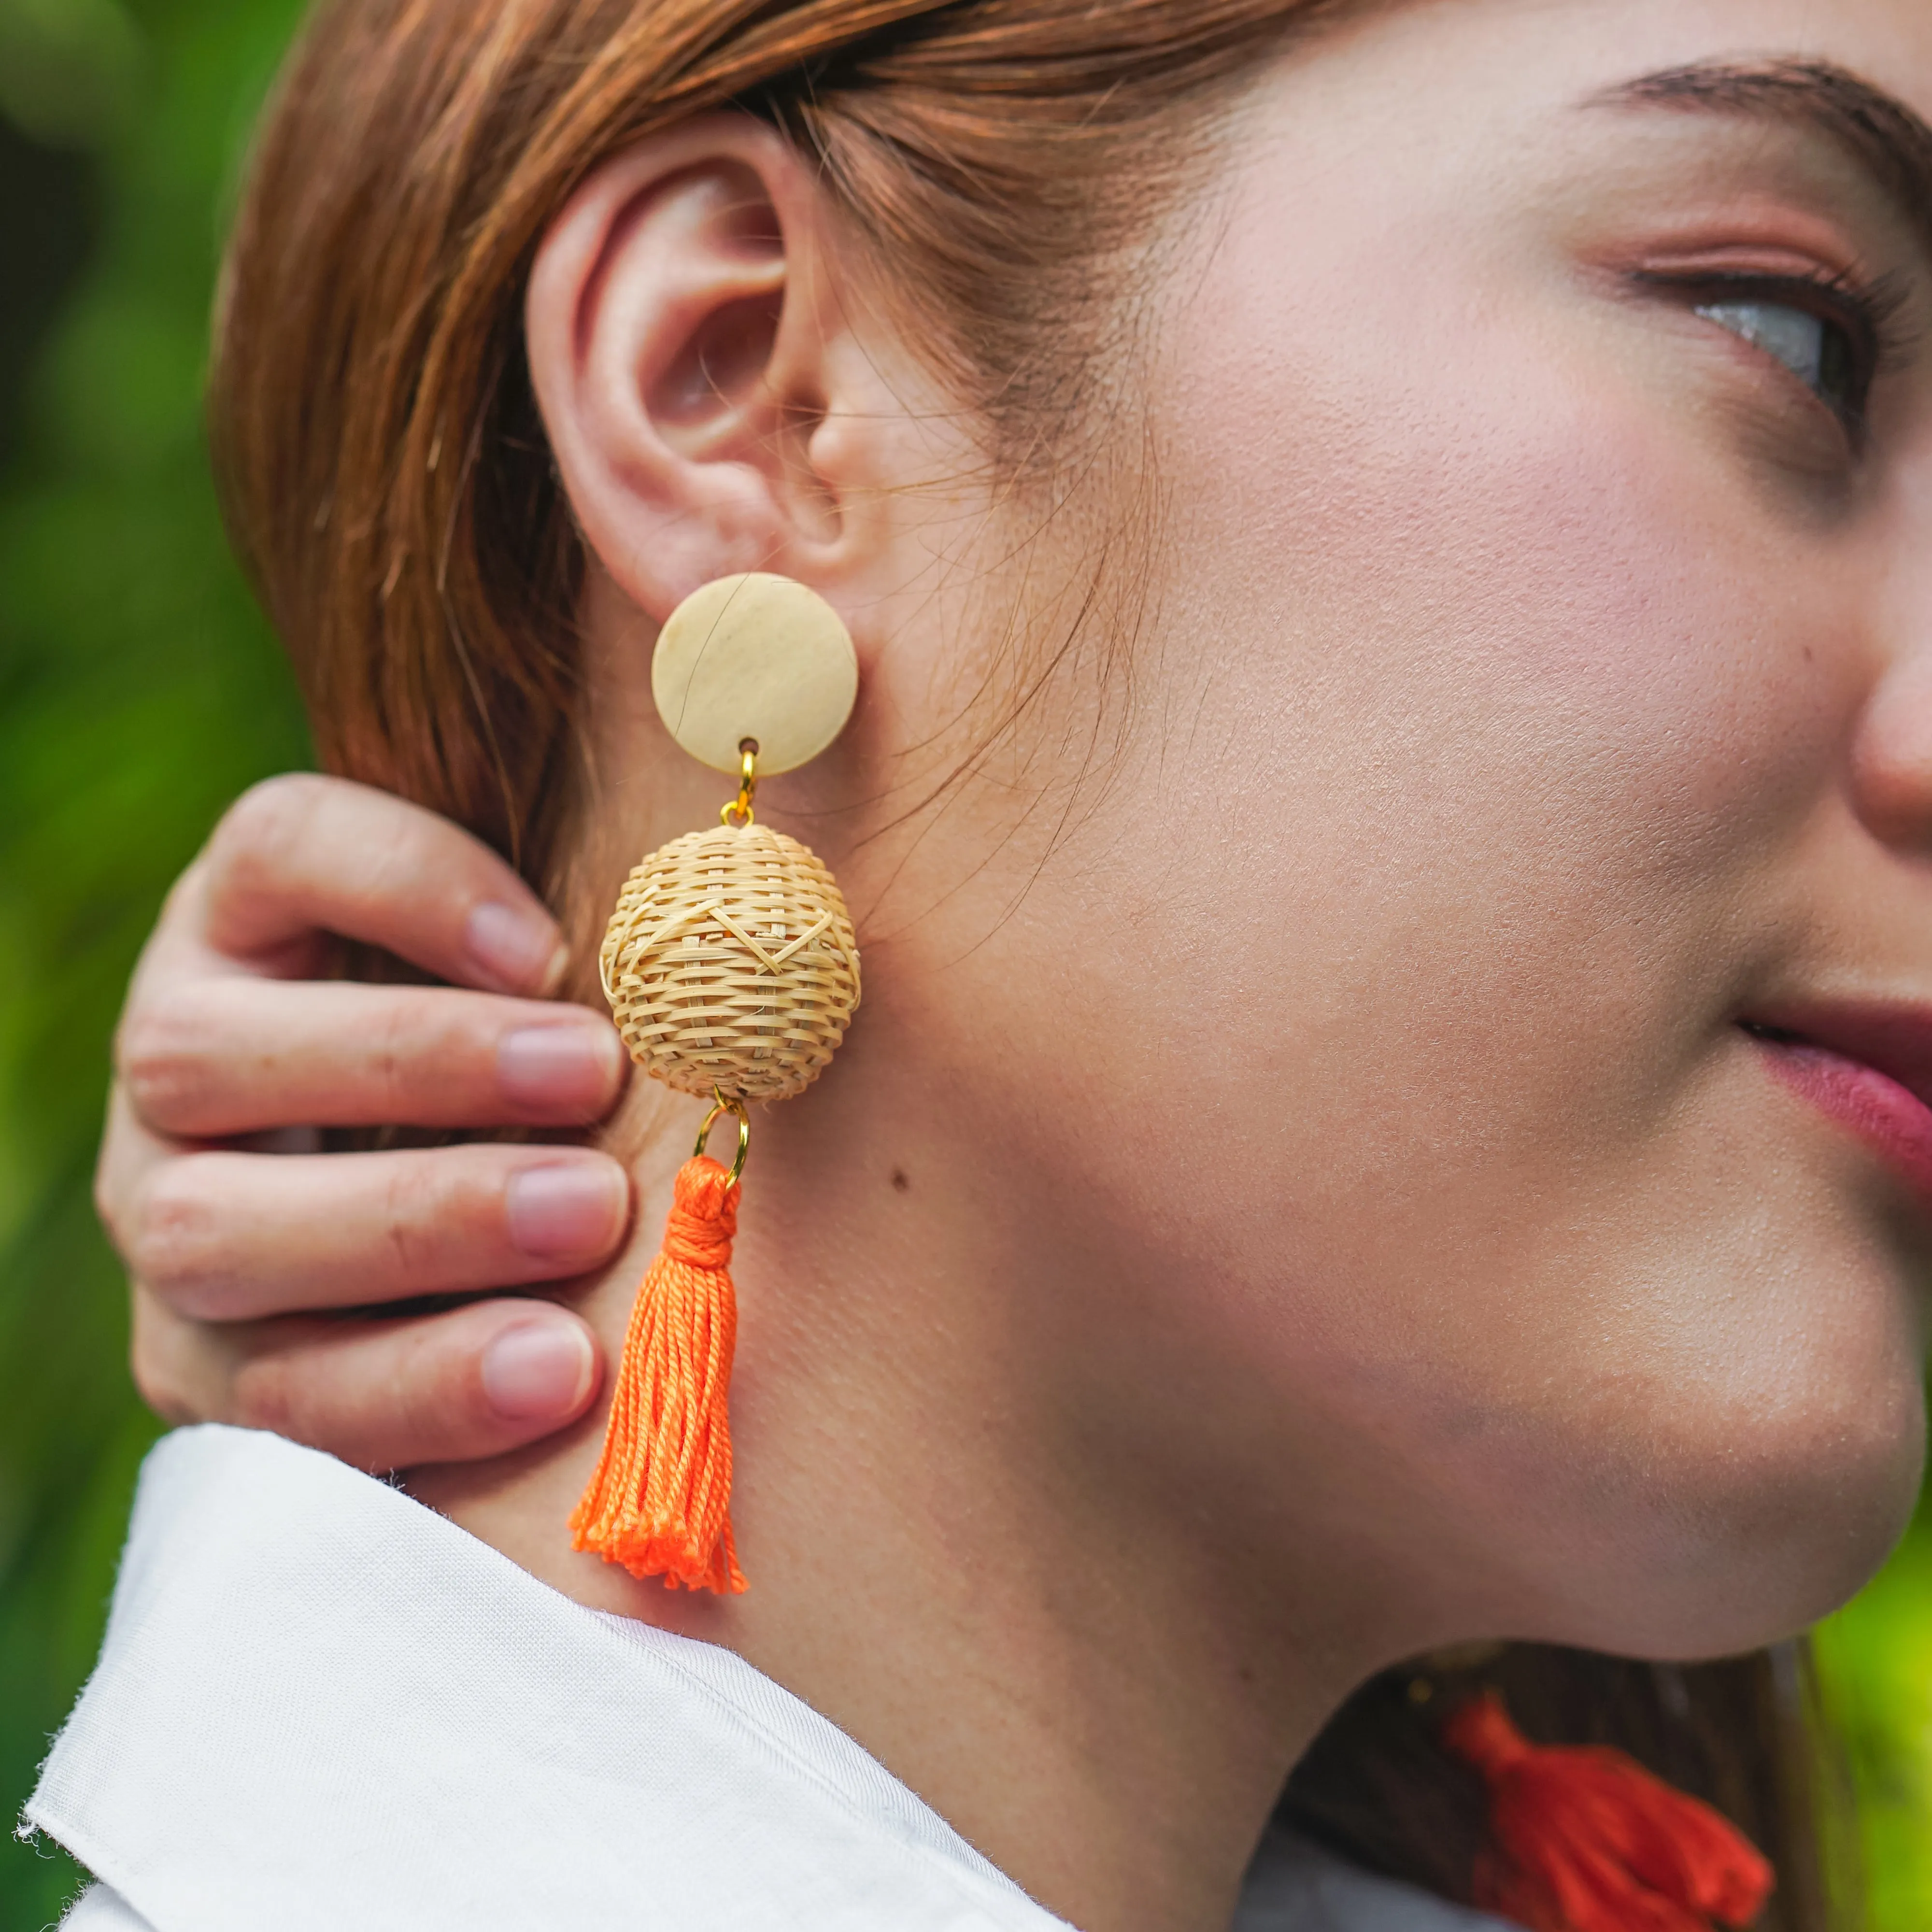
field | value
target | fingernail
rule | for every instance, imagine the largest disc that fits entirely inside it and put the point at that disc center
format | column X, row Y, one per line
column 560, row 1069
column 537, row 1369
column 566, row 1211
column 516, row 948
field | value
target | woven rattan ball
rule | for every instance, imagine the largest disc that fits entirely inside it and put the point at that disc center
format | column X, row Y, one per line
column 730, row 963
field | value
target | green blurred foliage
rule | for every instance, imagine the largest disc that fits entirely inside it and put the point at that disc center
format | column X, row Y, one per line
column 1875, row 1660
column 139, row 692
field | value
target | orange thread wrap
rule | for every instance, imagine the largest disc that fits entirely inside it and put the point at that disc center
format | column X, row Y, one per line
column 659, row 1503
column 1586, row 1839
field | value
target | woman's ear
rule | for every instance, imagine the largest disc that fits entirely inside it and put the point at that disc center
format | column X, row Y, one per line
column 685, row 344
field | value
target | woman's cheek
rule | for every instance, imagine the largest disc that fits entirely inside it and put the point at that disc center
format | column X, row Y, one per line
column 1489, row 521
column 1544, row 693
column 1494, row 630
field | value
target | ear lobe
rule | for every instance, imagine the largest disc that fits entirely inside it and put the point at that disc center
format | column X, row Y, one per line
column 676, row 329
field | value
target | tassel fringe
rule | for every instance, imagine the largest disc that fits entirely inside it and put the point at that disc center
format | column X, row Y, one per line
column 659, row 1503
column 1586, row 1839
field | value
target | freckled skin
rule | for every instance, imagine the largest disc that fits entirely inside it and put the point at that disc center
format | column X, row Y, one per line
column 1349, row 1217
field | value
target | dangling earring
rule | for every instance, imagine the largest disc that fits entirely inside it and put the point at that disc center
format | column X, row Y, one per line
column 732, row 971
column 1583, row 1839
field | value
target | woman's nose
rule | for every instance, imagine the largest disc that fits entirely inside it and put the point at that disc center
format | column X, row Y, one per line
column 1891, row 764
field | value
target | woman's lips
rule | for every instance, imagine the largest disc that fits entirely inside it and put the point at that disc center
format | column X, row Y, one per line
column 1883, row 1111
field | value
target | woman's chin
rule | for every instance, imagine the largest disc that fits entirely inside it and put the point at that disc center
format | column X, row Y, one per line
column 1756, row 1535
column 1756, row 1440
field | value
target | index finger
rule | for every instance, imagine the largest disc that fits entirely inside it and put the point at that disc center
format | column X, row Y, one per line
column 303, row 853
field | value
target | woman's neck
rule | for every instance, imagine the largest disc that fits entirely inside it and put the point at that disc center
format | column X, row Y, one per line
column 953, row 1555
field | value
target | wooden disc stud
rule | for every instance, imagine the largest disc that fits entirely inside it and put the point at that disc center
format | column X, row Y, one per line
column 731, row 963
column 754, row 656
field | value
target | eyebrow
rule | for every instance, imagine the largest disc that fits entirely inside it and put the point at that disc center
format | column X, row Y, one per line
column 1887, row 141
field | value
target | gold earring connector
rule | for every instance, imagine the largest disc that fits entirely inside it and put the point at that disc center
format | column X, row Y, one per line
column 736, row 1109
column 738, row 814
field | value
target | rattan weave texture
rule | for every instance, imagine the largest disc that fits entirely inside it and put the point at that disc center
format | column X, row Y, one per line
column 731, row 963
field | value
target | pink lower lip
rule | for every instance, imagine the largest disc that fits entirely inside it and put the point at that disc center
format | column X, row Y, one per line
column 1887, row 1116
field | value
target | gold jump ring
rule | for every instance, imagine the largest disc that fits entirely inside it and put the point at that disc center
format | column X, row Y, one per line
column 736, row 1109
column 738, row 814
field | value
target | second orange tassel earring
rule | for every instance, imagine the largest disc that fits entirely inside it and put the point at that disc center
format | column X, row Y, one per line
column 1585, row 1839
column 733, row 972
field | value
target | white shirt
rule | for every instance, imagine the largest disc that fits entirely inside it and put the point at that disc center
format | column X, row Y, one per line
column 320, row 1706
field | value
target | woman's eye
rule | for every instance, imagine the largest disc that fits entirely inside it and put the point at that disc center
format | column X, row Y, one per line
column 1818, row 351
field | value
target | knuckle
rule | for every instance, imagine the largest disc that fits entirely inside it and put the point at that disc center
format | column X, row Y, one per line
column 156, row 1370
column 109, row 1200
column 252, row 841
column 157, row 1383
column 266, row 1396
column 402, row 860
column 420, row 1206
column 388, row 1056
column 424, row 1426
column 407, row 1230
column 434, row 1393
column 173, row 1241
column 160, row 1056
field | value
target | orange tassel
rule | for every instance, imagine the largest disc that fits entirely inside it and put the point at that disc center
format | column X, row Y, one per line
column 1586, row 1839
column 660, row 1502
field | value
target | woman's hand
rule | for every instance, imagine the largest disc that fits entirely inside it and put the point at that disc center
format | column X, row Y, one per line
column 239, row 1255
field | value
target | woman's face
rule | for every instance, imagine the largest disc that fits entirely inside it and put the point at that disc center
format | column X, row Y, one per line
column 1530, row 726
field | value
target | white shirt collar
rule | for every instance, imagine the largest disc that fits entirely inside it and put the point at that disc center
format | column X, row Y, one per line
column 320, row 1704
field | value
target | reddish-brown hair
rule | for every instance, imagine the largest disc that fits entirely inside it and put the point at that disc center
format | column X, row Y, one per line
column 388, row 484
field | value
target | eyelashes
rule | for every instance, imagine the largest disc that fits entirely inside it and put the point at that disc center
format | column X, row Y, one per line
column 1837, row 334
